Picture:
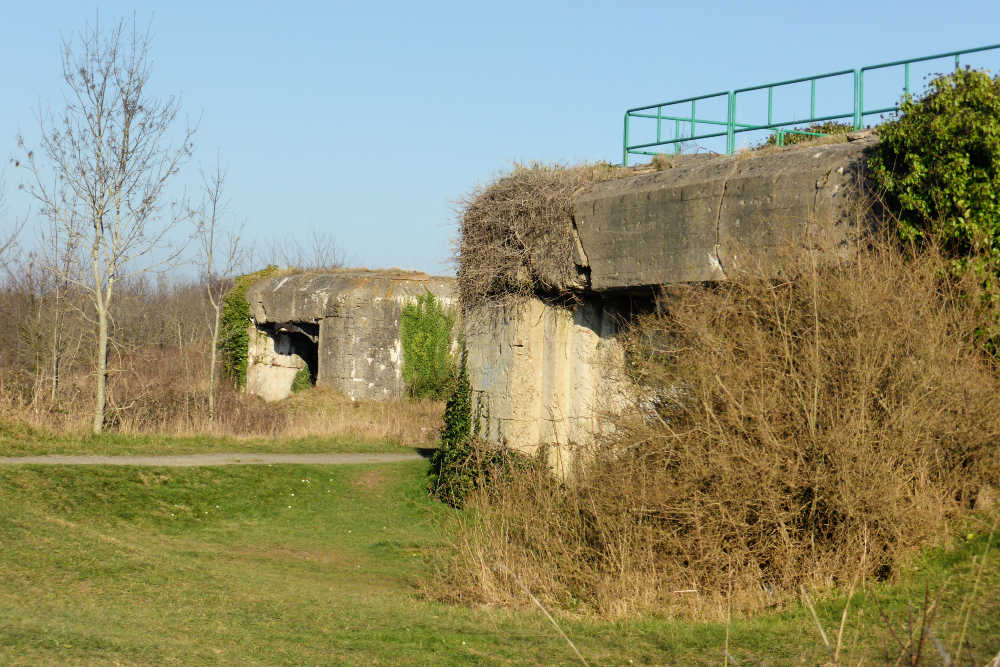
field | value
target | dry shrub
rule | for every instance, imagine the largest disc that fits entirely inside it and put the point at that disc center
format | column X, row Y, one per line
column 163, row 390
column 516, row 234
column 790, row 432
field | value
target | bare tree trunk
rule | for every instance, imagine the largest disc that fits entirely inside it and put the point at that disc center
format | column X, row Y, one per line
column 211, row 366
column 102, row 368
column 56, row 340
column 212, row 209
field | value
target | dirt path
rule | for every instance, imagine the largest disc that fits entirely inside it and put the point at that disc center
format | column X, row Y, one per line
column 189, row 460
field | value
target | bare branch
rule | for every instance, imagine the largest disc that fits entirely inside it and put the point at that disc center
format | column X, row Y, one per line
column 8, row 239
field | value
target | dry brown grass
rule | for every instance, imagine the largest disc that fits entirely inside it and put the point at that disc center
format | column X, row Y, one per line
column 321, row 410
column 789, row 433
column 156, row 390
column 516, row 234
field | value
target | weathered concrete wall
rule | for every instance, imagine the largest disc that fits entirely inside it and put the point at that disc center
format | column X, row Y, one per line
column 706, row 217
column 360, row 350
column 546, row 374
column 353, row 317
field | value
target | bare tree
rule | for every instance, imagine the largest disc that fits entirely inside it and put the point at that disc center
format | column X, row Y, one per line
column 106, row 160
column 219, row 256
column 7, row 240
column 58, row 251
column 319, row 252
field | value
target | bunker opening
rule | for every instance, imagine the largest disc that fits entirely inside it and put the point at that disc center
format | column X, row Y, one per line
column 300, row 339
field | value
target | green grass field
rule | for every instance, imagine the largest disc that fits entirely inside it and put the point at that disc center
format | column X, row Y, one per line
column 323, row 565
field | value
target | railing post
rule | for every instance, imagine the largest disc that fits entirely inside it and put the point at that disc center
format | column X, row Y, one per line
column 625, row 143
column 906, row 83
column 859, row 98
column 812, row 99
column 659, row 124
column 731, row 125
column 692, row 117
column 677, row 136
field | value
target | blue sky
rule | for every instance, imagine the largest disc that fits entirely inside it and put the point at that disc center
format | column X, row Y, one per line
column 368, row 121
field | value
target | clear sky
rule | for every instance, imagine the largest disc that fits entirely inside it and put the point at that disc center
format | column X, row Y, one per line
column 367, row 121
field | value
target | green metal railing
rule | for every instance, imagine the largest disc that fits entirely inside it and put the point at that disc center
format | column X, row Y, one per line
column 675, row 123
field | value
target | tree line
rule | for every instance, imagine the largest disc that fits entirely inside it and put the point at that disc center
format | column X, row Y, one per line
column 93, row 289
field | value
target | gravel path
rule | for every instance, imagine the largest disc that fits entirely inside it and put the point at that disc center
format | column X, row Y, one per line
column 189, row 460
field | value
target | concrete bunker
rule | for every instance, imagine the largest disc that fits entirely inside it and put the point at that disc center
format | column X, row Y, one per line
column 342, row 326
column 546, row 369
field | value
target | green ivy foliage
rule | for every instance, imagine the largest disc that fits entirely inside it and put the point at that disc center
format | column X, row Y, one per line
column 938, row 163
column 233, row 339
column 452, row 473
column 425, row 329
column 463, row 462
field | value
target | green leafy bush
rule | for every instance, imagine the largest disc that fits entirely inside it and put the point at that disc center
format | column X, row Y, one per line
column 939, row 164
column 233, row 339
column 428, row 365
column 302, row 380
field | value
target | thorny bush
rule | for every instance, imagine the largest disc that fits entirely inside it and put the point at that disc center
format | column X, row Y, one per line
column 788, row 432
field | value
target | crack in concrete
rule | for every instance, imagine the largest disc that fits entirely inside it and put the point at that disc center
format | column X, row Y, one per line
column 718, row 218
column 820, row 184
column 583, row 267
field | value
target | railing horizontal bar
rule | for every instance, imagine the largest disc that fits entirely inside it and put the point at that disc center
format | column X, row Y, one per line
column 705, row 121
column 791, row 81
column 686, row 119
column 869, row 112
column 686, row 99
column 803, row 132
column 667, row 142
column 950, row 54
column 746, row 127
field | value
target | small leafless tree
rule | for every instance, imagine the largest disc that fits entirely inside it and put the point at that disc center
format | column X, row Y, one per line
column 106, row 159
column 7, row 239
column 319, row 252
column 219, row 255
